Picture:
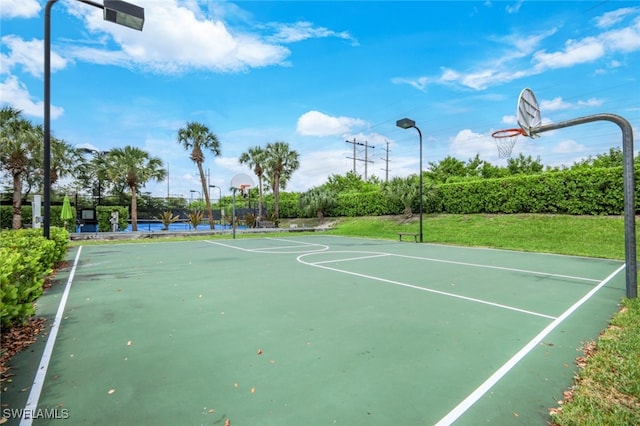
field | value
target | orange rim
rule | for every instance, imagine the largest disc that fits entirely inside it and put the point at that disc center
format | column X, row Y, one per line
column 507, row 133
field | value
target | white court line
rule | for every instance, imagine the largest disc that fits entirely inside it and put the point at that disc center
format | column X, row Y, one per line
column 501, row 268
column 444, row 293
column 229, row 246
column 295, row 241
column 351, row 258
column 468, row 402
column 41, row 374
column 267, row 249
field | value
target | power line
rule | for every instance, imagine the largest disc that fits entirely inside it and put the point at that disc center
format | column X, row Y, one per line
column 366, row 155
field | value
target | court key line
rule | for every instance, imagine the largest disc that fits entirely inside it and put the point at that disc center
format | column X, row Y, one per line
column 430, row 290
column 41, row 374
column 470, row 400
column 321, row 247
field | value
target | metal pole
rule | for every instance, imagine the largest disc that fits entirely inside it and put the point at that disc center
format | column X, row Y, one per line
column 421, row 207
column 233, row 215
column 46, row 179
column 629, row 191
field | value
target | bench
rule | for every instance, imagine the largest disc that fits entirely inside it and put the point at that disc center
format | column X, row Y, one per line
column 404, row 234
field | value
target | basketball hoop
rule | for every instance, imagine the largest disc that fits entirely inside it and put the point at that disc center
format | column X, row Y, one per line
column 505, row 140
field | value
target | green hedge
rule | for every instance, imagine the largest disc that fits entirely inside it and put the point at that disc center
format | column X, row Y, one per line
column 582, row 191
column 26, row 258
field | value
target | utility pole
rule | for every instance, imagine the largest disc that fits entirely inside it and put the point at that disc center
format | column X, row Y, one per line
column 354, row 153
column 366, row 155
column 386, row 161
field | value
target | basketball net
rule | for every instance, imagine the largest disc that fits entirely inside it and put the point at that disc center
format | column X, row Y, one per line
column 505, row 140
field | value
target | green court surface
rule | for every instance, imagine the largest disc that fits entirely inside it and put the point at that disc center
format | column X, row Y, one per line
column 311, row 330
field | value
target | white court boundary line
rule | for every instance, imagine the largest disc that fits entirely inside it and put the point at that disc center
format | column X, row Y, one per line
column 415, row 287
column 271, row 250
column 38, row 382
column 470, row 400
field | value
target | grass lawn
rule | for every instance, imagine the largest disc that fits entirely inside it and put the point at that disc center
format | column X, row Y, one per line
column 607, row 387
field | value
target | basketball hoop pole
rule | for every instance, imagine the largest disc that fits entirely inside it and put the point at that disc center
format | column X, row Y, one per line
column 629, row 182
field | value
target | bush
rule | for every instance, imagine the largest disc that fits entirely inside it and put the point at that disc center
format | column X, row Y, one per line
column 26, row 258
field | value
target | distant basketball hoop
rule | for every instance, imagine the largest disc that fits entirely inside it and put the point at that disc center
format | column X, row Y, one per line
column 240, row 182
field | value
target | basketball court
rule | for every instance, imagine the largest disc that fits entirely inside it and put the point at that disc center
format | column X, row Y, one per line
column 311, row 330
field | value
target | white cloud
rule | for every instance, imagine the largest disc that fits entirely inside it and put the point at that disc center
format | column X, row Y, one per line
column 510, row 119
column 575, row 52
column 16, row 94
column 179, row 37
column 522, row 60
column 290, row 33
column 466, row 144
column 19, row 9
column 514, row 8
column 568, row 146
column 558, row 104
column 176, row 39
column 611, row 18
column 554, row 104
column 28, row 54
column 315, row 123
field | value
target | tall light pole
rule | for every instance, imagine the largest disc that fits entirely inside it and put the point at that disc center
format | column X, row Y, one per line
column 407, row 123
column 117, row 11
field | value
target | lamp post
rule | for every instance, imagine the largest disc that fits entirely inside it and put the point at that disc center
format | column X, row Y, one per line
column 219, row 200
column 192, row 191
column 117, row 11
column 407, row 123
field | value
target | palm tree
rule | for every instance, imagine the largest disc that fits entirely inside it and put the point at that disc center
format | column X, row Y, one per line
column 317, row 201
column 281, row 162
column 405, row 191
column 65, row 159
column 20, row 153
column 256, row 157
column 196, row 137
column 132, row 167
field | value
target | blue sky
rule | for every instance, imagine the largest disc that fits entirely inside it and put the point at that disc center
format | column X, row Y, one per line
column 315, row 74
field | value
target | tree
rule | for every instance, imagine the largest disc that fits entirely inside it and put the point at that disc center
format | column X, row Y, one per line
column 316, row 201
column 447, row 168
column 255, row 158
column 614, row 158
column 522, row 165
column 133, row 167
column 405, row 190
column 281, row 162
column 64, row 159
column 351, row 182
column 20, row 153
column 197, row 137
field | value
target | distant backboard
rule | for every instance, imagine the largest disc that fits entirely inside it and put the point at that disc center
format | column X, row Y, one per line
column 241, row 181
column 528, row 112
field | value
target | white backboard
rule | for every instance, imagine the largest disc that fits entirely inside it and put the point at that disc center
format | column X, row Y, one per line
column 528, row 112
